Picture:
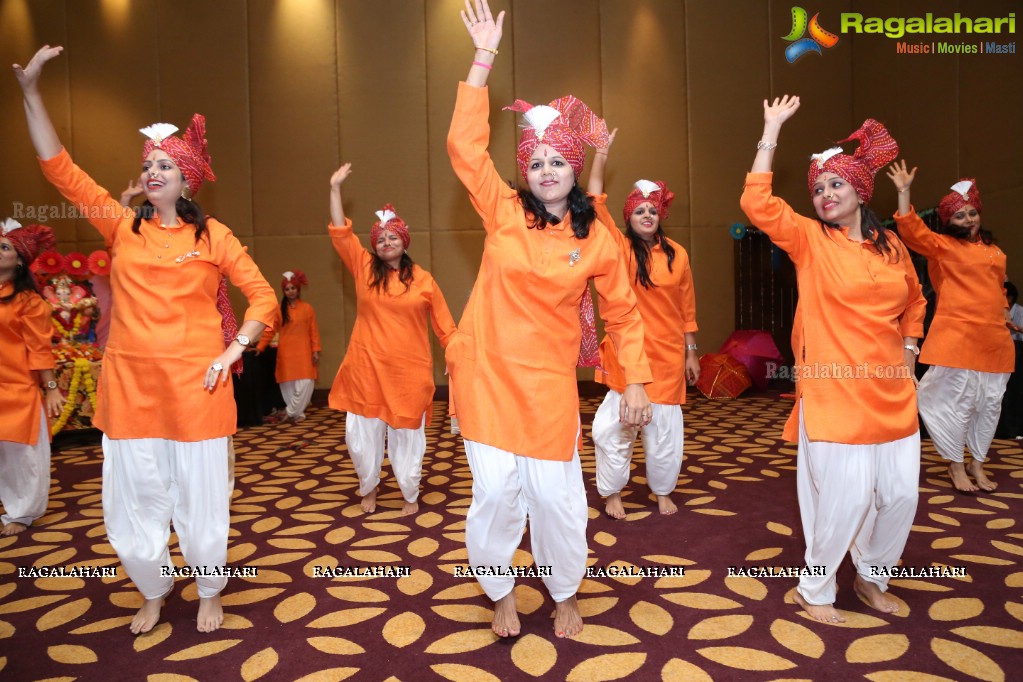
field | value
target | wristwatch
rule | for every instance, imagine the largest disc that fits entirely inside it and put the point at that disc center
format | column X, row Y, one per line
column 243, row 340
column 50, row 385
column 915, row 349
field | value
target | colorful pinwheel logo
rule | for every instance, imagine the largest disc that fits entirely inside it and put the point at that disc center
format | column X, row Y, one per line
column 817, row 39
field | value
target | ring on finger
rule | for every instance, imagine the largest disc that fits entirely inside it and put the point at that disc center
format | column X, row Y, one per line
column 217, row 367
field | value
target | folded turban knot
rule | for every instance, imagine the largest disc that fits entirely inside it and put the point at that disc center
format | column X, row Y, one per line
column 389, row 220
column 296, row 277
column 963, row 192
column 566, row 124
column 28, row 241
column 877, row 149
column 188, row 152
column 657, row 193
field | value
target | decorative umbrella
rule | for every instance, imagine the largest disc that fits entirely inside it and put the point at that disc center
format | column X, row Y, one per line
column 722, row 377
column 754, row 349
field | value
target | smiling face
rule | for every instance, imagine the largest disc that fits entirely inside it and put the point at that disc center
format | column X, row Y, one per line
column 161, row 178
column 967, row 218
column 644, row 221
column 548, row 175
column 389, row 248
column 9, row 259
column 834, row 199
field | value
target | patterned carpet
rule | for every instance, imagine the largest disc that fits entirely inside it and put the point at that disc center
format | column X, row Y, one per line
column 295, row 508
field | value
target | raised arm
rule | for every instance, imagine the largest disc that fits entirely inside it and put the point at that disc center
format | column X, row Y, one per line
column 596, row 183
column 486, row 36
column 40, row 128
column 337, row 209
column 912, row 229
column 775, row 115
column 341, row 235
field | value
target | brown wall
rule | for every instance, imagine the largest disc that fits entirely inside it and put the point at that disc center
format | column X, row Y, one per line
column 291, row 88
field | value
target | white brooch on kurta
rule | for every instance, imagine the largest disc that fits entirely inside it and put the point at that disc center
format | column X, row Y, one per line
column 191, row 254
column 539, row 117
column 573, row 257
column 646, row 187
column 825, row 155
column 158, row 132
column 963, row 189
column 9, row 225
column 386, row 216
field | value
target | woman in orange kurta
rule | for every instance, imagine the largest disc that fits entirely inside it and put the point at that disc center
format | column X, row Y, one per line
column 164, row 401
column 298, row 346
column 663, row 284
column 385, row 382
column 26, row 361
column 968, row 347
column 513, row 359
column 859, row 314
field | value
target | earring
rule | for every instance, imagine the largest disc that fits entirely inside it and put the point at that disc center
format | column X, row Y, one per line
column 186, row 192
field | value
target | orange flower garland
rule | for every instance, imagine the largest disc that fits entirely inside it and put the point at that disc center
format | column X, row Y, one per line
column 82, row 373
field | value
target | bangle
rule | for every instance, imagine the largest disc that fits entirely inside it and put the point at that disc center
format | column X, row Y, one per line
column 903, row 191
column 600, row 152
column 692, row 346
column 766, row 146
column 491, row 50
column 488, row 67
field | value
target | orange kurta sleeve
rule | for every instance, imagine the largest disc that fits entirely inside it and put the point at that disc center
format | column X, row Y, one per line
column 968, row 330
column 855, row 305
column 25, row 328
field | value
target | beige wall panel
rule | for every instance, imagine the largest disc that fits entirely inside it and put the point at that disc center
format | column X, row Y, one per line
column 383, row 115
column 204, row 68
column 643, row 63
column 449, row 54
column 114, row 89
column 712, row 254
column 25, row 25
column 294, row 113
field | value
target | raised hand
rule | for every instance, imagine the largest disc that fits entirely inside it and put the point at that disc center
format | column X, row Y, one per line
column 900, row 176
column 484, row 31
column 340, row 175
column 28, row 76
column 781, row 110
column 133, row 189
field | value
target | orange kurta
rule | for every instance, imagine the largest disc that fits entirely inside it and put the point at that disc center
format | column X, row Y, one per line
column 855, row 307
column 669, row 312
column 25, row 330
column 296, row 343
column 968, row 330
column 513, row 359
column 387, row 372
column 165, row 328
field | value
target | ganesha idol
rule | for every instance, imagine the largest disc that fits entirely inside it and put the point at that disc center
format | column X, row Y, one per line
column 73, row 309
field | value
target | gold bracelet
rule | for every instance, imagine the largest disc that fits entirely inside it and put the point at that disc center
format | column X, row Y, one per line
column 487, row 49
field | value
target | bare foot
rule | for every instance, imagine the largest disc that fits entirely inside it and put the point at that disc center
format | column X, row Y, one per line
column 960, row 480
column 149, row 615
column 825, row 613
column 873, row 595
column 613, row 506
column 369, row 501
column 977, row 471
column 13, row 528
column 211, row 614
column 568, row 622
column 409, row 508
column 665, row 505
column 506, row 617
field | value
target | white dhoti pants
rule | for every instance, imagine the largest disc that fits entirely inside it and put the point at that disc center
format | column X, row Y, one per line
column 854, row 498
column 25, row 477
column 147, row 483
column 297, row 395
column 662, row 445
column 961, row 407
column 406, row 447
column 506, row 489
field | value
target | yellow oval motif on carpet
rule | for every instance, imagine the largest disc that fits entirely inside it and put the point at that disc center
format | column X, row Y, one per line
column 416, row 582
column 345, row 617
column 701, row 600
column 204, row 649
column 594, row 606
column 745, row 658
column 250, row 596
column 71, row 654
column 607, row 667
column 153, row 637
column 463, row 673
column 958, row 608
column 795, row 637
column 335, row 645
column 966, row 660
column 601, row 635
column 651, row 618
column 65, row 613
column 720, row 627
column 294, row 607
column 259, row 664
column 329, row 675
column 534, row 655
column 751, row 588
column 404, row 629
column 460, row 642
column 877, row 648
column 988, row 634
column 464, row 613
column 677, row 669
column 358, row 594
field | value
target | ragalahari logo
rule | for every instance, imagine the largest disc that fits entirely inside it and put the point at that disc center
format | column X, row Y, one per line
column 817, row 39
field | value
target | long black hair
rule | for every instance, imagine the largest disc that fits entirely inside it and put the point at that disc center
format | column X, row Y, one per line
column 285, row 318
column 872, row 228
column 963, row 234
column 641, row 251
column 580, row 204
column 379, row 271
column 23, row 280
